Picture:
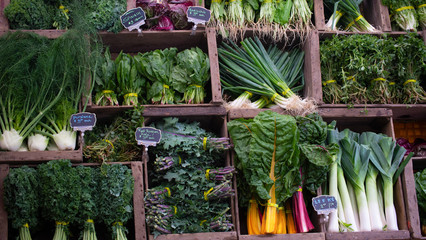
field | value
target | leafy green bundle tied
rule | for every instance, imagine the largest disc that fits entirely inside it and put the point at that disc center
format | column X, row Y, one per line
column 421, row 194
column 115, row 199
column 191, row 73
column 89, row 195
column 21, row 199
column 61, row 194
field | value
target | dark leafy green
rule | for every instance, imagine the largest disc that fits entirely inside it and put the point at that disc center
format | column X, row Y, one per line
column 421, row 194
column 28, row 14
column 21, row 197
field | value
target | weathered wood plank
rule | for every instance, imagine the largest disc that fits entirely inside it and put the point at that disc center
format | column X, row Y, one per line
column 296, row 236
column 214, row 66
column 40, row 157
column 388, row 235
column 4, row 171
column 319, row 14
column 312, row 68
column 198, row 236
column 138, row 201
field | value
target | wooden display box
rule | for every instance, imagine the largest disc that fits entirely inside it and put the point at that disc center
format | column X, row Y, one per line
column 312, row 72
column 138, row 197
column 216, row 125
column 400, row 111
column 131, row 43
column 373, row 11
column 33, row 157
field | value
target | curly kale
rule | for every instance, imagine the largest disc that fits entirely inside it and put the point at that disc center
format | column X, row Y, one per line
column 21, row 197
column 29, row 14
column 116, row 195
column 312, row 129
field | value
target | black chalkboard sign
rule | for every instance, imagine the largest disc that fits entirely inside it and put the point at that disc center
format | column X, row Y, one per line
column 198, row 14
column 324, row 204
column 83, row 121
column 133, row 18
column 147, row 136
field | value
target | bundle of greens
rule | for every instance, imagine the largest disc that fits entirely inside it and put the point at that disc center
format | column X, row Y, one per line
column 420, row 6
column 106, row 82
column 411, row 58
column 420, row 178
column 188, row 192
column 403, row 13
column 115, row 142
column 115, row 198
column 370, row 69
column 345, row 14
column 42, row 88
column 21, row 199
column 39, row 14
column 251, row 69
column 88, row 212
column 267, row 18
column 191, row 73
column 130, row 82
column 60, row 177
column 268, row 157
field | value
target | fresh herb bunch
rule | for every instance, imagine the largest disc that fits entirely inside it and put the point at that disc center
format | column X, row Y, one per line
column 115, row 142
column 89, row 196
column 411, row 57
column 330, row 69
column 55, row 177
column 21, row 199
column 115, row 199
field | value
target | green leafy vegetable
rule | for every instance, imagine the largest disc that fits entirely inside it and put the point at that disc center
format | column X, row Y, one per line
column 28, row 14
column 421, row 194
column 21, row 199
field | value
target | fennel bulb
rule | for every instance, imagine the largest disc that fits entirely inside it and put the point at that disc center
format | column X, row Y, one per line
column 37, row 142
column 10, row 140
column 65, row 140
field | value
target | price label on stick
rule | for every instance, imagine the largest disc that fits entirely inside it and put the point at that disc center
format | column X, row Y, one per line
column 324, row 204
column 197, row 15
column 147, row 136
column 133, row 19
column 83, row 121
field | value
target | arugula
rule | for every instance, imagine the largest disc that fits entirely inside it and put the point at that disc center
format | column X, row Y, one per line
column 21, row 199
column 115, row 199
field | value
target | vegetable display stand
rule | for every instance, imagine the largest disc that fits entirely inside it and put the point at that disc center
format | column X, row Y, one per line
column 372, row 10
column 138, row 198
column 177, row 186
column 34, row 157
column 130, row 42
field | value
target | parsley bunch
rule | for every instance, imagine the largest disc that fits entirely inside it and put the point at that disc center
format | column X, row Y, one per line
column 21, row 199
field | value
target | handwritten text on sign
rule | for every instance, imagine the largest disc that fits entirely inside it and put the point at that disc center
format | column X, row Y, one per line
column 324, row 204
column 147, row 136
column 83, row 121
column 133, row 18
column 198, row 14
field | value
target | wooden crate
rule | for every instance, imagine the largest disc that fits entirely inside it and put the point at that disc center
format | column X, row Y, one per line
column 312, row 70
column 217, row 125
column 130, row 42
column 43, row 156
column 138, row 197
column 373, row 11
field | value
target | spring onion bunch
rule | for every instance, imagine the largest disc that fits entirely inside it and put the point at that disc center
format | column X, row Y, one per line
column 403, row 13
column 301, row 15
column 250, row 68
column 352, row 18
column 336, row 14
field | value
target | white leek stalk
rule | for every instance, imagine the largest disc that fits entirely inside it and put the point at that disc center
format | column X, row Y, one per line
column 353, row 201
column 372, row 199
column 346, row 200
column 333, row 223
